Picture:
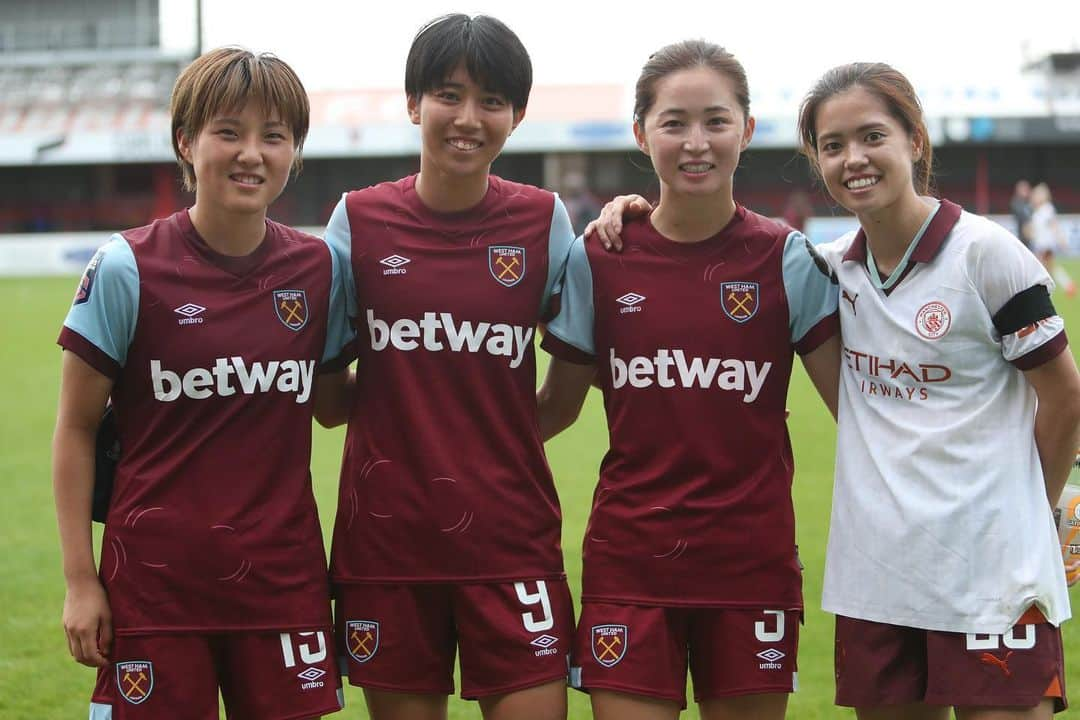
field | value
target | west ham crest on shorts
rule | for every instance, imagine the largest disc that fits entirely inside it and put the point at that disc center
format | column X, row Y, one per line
column 507, row 264
column 361, row 639
column 739, row 300
column 609, row 643
column 933, row 320
column 135, row 680
column 86, row 284
column 291, row 308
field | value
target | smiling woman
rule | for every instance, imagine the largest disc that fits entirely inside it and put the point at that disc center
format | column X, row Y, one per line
column 190, row 327
column 959, row 412
column 691, row 334
column 447, row 535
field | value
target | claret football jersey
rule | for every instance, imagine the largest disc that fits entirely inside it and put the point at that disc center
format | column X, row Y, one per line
column 444, row 476
column 694, row 344
column 213, row 524
column 940, row 518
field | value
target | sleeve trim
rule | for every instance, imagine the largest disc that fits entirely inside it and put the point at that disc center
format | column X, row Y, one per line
column 816, row 336
column 565, row 351
column 90, row 353
column 1042, row 354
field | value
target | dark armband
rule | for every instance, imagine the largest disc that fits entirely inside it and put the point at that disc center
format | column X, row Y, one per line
column 1023, row 309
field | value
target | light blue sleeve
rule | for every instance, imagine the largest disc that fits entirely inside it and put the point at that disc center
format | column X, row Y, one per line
column 338, row 236
column 577, row 315
column 812, row 295
column 559, row 241
column 339, row 331
column 106, row 305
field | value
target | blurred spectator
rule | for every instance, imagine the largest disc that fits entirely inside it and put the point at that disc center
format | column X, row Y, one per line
column 1020, row 205
column 797, row 210
column 1047, row 237
column 579, row 202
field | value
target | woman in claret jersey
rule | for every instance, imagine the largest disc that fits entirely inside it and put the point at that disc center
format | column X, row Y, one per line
column 690, row 332
column 206, row 329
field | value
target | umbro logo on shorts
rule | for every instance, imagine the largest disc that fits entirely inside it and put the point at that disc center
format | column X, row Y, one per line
column 545, row 645
column 771, row 658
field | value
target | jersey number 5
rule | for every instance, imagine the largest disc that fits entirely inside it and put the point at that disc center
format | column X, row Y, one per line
column 761, row 631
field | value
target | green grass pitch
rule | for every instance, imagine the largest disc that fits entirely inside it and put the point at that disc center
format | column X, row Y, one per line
column 38, row 679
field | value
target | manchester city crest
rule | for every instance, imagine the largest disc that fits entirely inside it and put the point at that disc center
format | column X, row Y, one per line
column 135, row 680
column 609, row 643
column 739, row 300
column 291, row 308
column 361, row 639
column 507, row 264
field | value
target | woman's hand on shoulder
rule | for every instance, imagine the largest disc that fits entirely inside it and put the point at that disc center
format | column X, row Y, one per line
column 608, row 226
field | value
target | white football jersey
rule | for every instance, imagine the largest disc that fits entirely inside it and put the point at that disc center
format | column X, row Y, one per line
column 940, row 519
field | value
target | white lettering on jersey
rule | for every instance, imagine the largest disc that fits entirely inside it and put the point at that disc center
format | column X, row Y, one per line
column 287, row 376
column 499, row 339
column 728, row 374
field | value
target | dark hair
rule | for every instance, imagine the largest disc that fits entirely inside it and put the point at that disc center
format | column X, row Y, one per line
column 687, row 55
column 226, row 79
column 893, row 89
column 493, row 55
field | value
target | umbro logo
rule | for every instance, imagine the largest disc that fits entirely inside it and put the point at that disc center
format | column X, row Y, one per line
column 544, row 641
column 395, row 264
column 631, row 302
column 770, row 659
column 312, row 673
column 545, row 645
column 190, row 313
column 311, row 678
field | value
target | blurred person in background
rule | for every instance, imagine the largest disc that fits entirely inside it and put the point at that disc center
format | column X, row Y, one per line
column 580, row 203
column 1048, row 237
column 1020, row 206
column 797, row 209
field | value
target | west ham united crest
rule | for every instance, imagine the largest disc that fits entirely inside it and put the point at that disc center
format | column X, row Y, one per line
column 291, row 308
column 361, row 639
column 507, row 264
column 609, row 643
column 739, row 300
column 135, row 680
